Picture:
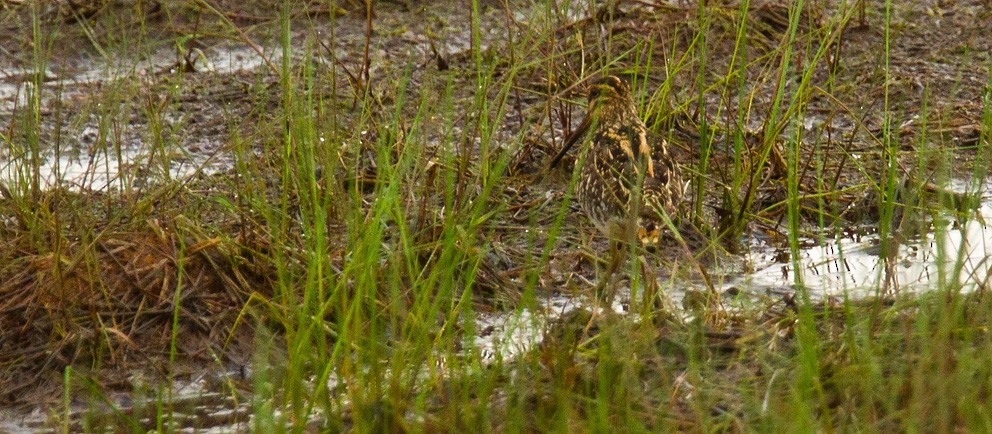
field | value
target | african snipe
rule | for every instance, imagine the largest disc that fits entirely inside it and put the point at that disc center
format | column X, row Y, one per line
column 627, row 187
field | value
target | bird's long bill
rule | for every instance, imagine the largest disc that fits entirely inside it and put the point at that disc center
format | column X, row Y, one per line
column 572, row 139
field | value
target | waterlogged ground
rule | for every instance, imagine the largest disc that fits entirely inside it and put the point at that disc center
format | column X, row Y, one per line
column 196, row 108
column 92, row 157
column 851, row 263
column 844, row 265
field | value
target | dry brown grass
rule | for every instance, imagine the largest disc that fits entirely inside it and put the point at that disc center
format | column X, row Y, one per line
column 110, row 299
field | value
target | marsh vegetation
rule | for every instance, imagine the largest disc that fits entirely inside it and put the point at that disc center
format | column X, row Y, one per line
column 338, row 216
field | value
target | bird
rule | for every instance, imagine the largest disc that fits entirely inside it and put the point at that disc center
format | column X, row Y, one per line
column 629, row 188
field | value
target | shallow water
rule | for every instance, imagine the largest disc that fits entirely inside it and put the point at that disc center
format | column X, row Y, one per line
column 851, row 264
column 202, row 404
column 81, row 164
column 101, row 170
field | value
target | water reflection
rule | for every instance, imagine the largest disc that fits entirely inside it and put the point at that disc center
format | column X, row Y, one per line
column 955, row 251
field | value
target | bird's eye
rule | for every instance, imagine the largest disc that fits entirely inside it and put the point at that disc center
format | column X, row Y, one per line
column 650, row 227
column 594, row 93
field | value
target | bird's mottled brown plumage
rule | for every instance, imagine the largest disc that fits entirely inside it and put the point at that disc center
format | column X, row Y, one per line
column 620, row 159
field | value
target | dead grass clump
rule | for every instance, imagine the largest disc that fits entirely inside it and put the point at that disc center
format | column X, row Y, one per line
column 115, row 300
